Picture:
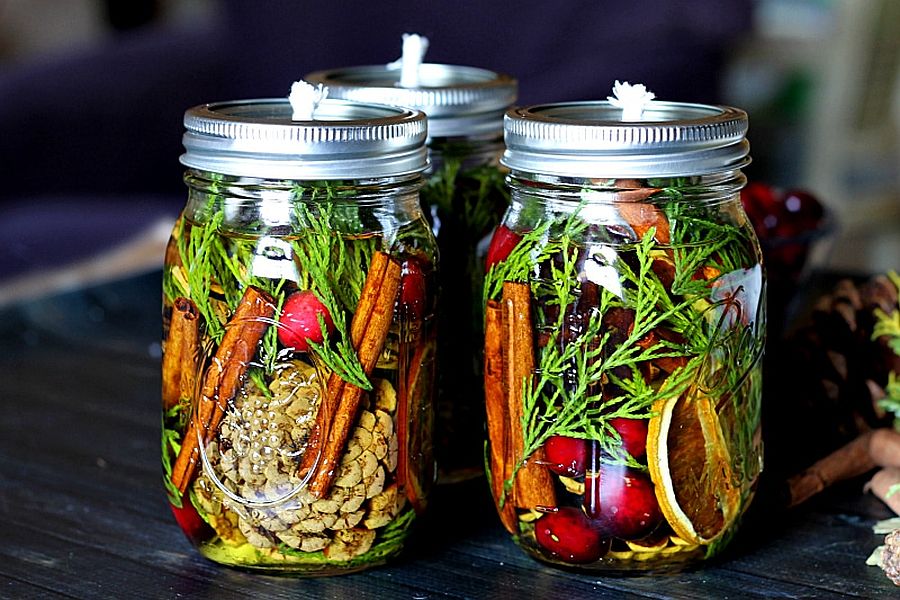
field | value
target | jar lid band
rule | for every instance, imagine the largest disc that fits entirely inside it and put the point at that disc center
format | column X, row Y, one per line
column 347, row 140
column 459, row 100
column 590, row 139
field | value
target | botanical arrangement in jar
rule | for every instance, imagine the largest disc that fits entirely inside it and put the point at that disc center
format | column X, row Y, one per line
column 464, row 197
column 299, row 336
column 624, row 330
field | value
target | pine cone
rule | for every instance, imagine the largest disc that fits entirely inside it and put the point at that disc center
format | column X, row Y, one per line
column 890, row 556
column 824, row 381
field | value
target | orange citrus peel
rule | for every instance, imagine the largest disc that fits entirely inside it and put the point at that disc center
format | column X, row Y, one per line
column 690, row 466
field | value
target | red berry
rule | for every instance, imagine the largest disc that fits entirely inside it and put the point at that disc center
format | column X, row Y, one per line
column 802, row 212
column 502, row 243
column 193, row 526
column 633, row 433
column 300, row 322
column 621, row 502
column 412, row 289
column 565, row 455
column 763, row 205
column 567, row 534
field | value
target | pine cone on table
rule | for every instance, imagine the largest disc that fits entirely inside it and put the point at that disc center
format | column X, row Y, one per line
column 890, row 556
column 828, row 375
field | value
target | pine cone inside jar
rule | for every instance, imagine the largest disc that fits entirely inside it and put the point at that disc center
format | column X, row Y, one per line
column 824, row 381
column 890, row 556
column 255, row 459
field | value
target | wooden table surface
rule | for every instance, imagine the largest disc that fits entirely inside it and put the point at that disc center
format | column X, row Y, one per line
column 83, row 512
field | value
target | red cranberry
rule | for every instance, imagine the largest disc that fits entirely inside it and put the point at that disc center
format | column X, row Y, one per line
column 763, row 206
column 193, row 526
column 802, row 212
column 567, row 534
column 633, row 433
column 565, row 455
column 502, row 243
column 300, row 322
column 621, row 502
column 412, row 289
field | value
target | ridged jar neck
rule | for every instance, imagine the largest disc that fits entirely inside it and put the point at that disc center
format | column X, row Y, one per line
column 470, row 151
column 276, row 202
column 699, row 189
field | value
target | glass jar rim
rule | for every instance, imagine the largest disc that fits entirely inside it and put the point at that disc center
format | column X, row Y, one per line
column 590, row 139
column 459, row 100
column 346, row 140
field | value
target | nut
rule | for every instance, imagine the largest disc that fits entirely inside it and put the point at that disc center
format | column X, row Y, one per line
column 385, row 395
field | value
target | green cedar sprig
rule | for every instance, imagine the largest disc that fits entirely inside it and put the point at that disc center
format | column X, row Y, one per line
column 199, row 248
column 548, row 238
column 888, row 325
column 552, row 408
column 475, row 197
column 322, row 254
column 171, row 446
column 557, row 399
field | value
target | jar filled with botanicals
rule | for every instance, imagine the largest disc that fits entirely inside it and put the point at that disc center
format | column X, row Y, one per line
column 465, row 197
column 625, row 326
column 299, row 337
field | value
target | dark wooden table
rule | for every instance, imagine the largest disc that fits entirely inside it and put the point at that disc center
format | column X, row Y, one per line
column 83, row 512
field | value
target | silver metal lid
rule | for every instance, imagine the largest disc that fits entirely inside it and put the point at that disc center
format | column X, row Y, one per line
column 459, row 101
column 589, row 139
column 347, row 140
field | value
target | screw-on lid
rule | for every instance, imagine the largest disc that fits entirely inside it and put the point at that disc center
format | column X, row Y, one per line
column 459, row 101
column 347, row 140
column 590, row 139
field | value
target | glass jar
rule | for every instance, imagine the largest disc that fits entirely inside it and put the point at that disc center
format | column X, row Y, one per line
column 624, row 332
column 465, row 197
column 299, row 336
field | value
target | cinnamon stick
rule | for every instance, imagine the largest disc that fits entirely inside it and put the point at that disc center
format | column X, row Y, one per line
column 223, row 378
column 335, row 385
column 407, row 477
column 497, row 417
column 849, row 461
column 881, row 485
column 533, row 484
column 179, row 364
column 884, row 447
column 349, row 397
column 641, row 216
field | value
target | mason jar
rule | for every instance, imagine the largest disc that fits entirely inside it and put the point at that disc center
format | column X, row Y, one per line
column 299, row 336
column 624, row 333
column 465, row 197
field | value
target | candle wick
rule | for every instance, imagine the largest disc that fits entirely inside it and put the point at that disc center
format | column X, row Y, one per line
column 414, row 48
column 632, row 99
column 304, row 99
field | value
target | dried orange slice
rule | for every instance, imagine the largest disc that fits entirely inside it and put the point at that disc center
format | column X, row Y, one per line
column 690, row 466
